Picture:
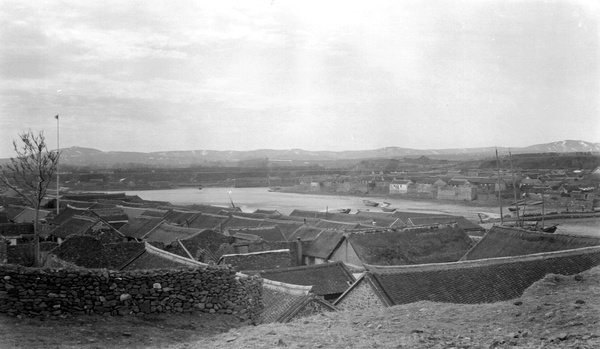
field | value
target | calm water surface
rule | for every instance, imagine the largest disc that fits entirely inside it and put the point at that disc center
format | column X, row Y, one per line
column 251, row 199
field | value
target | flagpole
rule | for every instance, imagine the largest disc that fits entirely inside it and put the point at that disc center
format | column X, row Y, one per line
column 57, row 166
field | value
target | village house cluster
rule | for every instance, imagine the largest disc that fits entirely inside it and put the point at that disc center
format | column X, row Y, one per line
column 564, row 189
column 309, row 262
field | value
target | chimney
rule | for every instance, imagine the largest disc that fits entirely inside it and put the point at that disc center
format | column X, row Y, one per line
column 299, row 257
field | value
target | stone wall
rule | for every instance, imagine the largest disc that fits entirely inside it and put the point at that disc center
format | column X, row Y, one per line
column 31, row 291
column 361, row 297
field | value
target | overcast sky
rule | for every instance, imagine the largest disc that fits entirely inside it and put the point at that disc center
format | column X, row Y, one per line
column 323, row 75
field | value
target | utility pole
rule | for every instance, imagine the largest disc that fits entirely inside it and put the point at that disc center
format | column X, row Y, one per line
column 499, row 192
column 57, row 166
column 514, row 187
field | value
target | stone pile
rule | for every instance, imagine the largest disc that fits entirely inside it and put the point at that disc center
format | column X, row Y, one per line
column 30, row 291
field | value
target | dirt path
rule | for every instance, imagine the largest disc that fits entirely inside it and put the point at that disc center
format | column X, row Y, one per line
column 556, row 312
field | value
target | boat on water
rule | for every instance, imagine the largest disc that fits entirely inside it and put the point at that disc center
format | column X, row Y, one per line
column 515, row 209
column 344, row 210
column 551, row 229
column 371, row 203
column 363, row 210
column 388, row 209
column 274, row 189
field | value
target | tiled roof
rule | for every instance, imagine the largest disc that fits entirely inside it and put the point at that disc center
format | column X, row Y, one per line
column 277, row 302
column 462, row 222
column 404, row 215
column 241, row 222
column 15, row 230
column 258, row 260
column 180, row 217
column 155, row 258
column 326, row 279
column 305, row 233
column 4, row 217
column 324, row 224
column 266, row 233
column 419, row 245
column 482, row 281
column 309, row 214
column 132, row 212
column 66, row 214
column 211, row 209
column 287, row 228
column 76, row 225
column 138, row 227
column 167, row 233
column 14, row 210
column 28, row 215
column 268, row 212
column 306, row 306
column 76, row 203
column 207, row 221
column 94, row 196
column 204, row 240
column 325, row 243
column 505, row 242
column 155, row 213
column 110, row 214
column 84, row 251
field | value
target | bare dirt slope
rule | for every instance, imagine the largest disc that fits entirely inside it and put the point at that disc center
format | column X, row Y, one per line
column 556, row 312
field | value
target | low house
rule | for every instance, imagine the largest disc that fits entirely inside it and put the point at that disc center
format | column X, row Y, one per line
column 155, row 258
column 89, row 252
column 408, row 246
column 287, row 228
column 138, row 227
column 28, row 215
column 463, row 223
column 509, row 242
column 274, row 259
column 272, row 233
column 465, row 282
column 179, row 217
column 86, row 225
column 285, row 302
column 399, row 187
column 167, row 233
column 322, row 247
column 329, row 280
column 241, row 222
column 204, row 246
column 15, row 233
column 208, row 221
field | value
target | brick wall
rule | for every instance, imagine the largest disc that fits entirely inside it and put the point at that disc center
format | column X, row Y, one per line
column 31, row 291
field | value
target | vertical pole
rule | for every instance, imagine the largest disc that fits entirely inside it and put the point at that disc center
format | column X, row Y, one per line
column 57, row 166
column 499, row 192
column 512, row 171
column 543, row 208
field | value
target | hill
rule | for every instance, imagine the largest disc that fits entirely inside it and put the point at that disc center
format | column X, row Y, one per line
column 555, row 312
column 79, row 156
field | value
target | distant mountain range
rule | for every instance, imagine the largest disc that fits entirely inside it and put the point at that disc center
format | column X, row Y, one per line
column 92, row 157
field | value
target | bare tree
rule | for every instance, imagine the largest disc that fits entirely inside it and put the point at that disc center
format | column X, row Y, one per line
column 29, row 174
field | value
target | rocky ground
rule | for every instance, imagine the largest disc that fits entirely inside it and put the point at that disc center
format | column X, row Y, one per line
column 556, row 312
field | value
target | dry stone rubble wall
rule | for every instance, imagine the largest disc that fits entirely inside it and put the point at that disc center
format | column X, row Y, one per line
column 30, row 291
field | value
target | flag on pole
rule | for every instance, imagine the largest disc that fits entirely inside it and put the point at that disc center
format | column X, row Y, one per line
column 56, row 117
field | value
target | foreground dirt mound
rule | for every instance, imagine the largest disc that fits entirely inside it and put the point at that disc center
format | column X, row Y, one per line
column 556, row 312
